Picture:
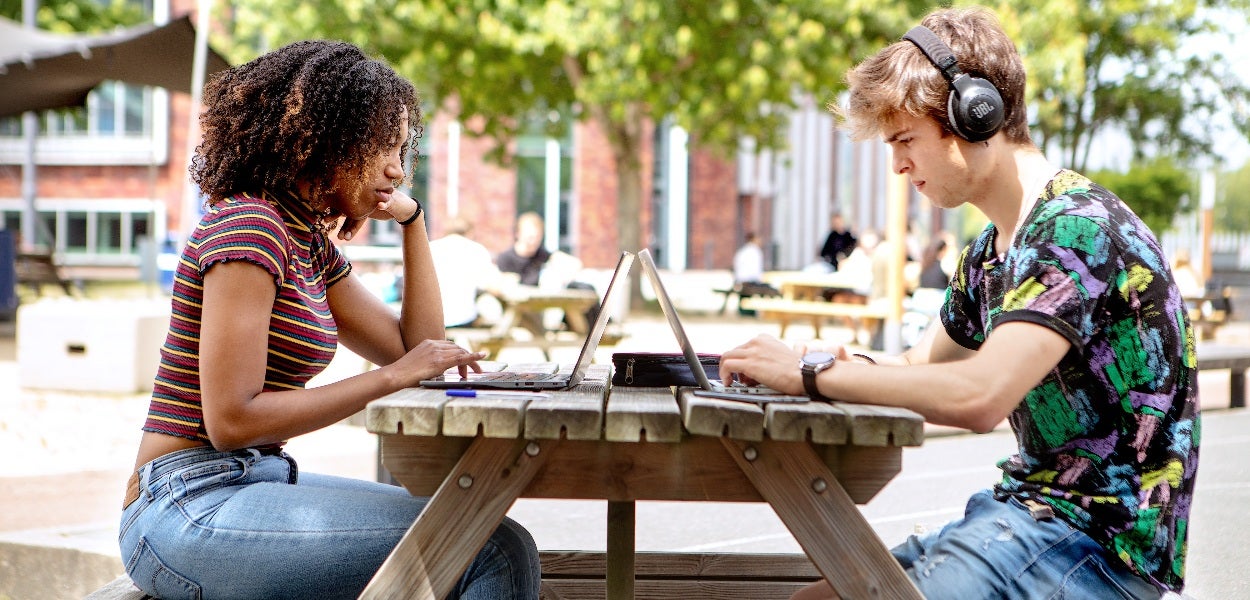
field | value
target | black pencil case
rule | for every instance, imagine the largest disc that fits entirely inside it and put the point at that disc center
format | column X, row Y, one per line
column 659, row 369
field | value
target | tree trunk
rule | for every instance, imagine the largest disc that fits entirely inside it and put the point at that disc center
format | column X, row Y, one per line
column 625, row 137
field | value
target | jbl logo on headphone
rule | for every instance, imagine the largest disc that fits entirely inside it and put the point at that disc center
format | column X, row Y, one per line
column 981, row 109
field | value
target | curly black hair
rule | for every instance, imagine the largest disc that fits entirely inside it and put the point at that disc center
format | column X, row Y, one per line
column 314, row 111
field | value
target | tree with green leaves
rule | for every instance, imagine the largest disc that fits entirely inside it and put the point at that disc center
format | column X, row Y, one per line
column 77, row 16
column 1156, row 190
column 725, row 71
column 1131, row 68
column 1232, row 204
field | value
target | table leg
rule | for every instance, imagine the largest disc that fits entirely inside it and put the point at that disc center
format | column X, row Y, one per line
column 823, row 519
column 620, row 569
column 1237, row 389
column 467, row 507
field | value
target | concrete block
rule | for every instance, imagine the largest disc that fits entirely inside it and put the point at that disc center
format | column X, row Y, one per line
column 90, row 345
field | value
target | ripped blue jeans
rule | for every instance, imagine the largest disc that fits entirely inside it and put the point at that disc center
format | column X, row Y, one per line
column 998, row 550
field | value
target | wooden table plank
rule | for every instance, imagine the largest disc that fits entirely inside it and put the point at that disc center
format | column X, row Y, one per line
column 883, row 425
column 819, row 422
column 472, row 502
column 823, row 519
column 506, row 415
column 410, row 411
column 576, row 414
column 491, row 416
column 642, row 414
column 718, row 417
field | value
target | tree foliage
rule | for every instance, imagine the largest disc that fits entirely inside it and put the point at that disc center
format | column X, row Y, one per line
column 77, row 16
column 1131, row 68
column 721, row 70
column 1232, row 203
column 725, row 71
column 1156, row 190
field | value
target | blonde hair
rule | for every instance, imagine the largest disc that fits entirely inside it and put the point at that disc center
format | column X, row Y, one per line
column 900, row 79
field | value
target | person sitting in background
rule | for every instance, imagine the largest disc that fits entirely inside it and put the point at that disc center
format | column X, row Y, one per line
column 527, row 256
column 932, row 274
column 839, row 243
column 749, row 272
column 1187, row 278
column 857, row 266
column 749, row 261
column 465, row 270
column 534, row 265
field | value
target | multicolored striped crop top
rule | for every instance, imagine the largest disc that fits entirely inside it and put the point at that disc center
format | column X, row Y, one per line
column 280, row 238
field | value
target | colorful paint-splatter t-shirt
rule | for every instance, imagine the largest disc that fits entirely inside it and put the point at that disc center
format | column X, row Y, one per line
column 1110, row 437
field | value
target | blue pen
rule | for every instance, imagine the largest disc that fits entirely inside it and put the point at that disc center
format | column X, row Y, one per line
column 486, row 393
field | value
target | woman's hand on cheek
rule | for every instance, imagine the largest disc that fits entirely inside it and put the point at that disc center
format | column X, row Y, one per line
column 349, row 227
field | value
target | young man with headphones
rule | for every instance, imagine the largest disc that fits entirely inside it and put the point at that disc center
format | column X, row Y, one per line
column 1062, row 319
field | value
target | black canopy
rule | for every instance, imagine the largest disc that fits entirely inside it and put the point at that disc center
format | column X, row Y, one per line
column 41, row 70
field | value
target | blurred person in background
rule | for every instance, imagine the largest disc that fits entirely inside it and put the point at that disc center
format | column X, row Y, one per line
column 465, row 272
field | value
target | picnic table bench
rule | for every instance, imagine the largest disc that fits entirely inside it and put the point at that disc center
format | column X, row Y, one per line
column 785, row 310
column 1210, row 311
column 1226, row 356
column 657, row 576
column 521, row 325
column 743, row 290
column 37, row 269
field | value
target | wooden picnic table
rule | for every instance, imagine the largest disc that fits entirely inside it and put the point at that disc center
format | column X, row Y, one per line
column 521, row 324
column 797, row 285
column 812, row 462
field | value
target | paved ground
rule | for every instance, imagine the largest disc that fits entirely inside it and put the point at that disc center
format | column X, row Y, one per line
column 70, row 454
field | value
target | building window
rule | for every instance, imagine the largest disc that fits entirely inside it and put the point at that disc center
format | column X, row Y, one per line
column 107, row 233
column 545, row 181
column 121, row 125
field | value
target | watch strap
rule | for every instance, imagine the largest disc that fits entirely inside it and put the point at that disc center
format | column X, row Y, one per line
column 809, row 383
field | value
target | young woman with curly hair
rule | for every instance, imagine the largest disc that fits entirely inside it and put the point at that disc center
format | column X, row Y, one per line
column 304, row 141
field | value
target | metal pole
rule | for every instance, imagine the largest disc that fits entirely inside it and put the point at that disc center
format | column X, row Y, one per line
column 896, row 236
column 191, row 199
column 30, row 132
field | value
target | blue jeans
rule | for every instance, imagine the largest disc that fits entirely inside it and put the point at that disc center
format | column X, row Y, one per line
column 998, row 550
column 243, row 524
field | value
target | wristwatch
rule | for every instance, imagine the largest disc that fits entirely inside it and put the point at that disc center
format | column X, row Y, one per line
column 811, row 364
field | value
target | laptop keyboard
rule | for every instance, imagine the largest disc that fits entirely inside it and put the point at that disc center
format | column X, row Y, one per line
column 501, row 376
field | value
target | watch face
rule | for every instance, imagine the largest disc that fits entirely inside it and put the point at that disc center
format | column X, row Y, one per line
column 817, row 358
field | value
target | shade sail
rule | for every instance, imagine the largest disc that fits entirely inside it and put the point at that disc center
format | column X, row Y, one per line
column 41, row 70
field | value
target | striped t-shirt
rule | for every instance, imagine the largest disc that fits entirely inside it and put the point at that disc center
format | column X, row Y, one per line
column 278, row 237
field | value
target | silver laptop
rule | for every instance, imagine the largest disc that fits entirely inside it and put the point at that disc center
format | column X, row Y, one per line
column 548, row 381
column 708, row 387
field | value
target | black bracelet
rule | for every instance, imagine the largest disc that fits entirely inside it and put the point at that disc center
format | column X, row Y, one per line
column 409, row 220
column 867, row 358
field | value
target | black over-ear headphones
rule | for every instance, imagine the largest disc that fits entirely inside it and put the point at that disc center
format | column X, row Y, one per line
column 975, row 107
